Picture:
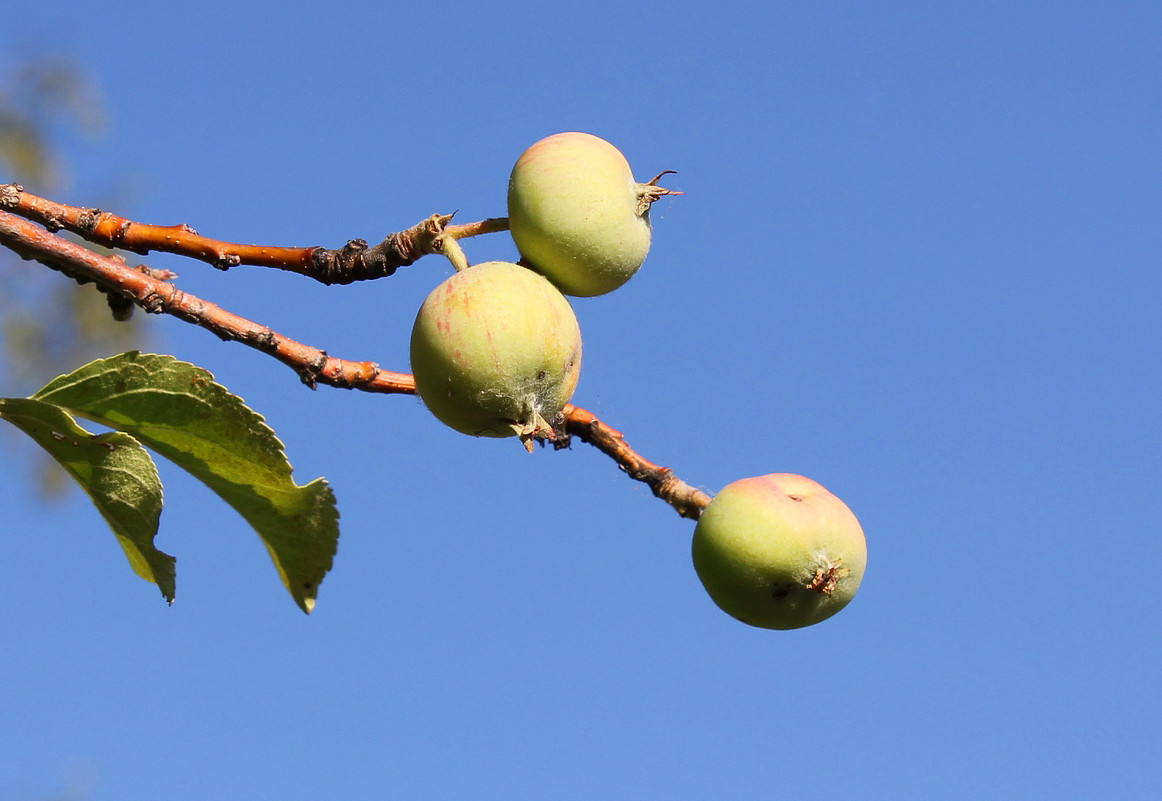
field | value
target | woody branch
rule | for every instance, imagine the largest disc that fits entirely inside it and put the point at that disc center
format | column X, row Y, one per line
column 152, row 292
column 355, row 261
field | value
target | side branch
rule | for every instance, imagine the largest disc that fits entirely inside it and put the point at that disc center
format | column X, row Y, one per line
column 687, row 500
column 153, row 292
column 313, row 365
column 355, row 261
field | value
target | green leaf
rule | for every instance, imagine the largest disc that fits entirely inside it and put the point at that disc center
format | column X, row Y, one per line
column 178, row 410
column 115, row 471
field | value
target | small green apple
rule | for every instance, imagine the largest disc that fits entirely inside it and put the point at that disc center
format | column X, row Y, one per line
column 577, row 214
column 496, row 352
column 779, row 551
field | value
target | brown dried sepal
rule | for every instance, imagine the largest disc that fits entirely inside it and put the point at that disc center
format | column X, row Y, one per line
column 827, row 578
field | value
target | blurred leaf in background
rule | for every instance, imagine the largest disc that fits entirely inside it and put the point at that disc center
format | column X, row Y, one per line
column 37, row 99
column 49, row 325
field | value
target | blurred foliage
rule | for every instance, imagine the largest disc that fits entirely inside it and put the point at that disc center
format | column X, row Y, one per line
column 35, row 101
column 49, row 325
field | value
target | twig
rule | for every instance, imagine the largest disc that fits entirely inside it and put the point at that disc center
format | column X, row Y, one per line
column 355, row 261
column 151, row 291
column 155, row 295
column 687, row 500
column 493, row 225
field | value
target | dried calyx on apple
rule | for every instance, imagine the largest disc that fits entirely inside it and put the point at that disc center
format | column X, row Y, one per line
column 496, row 352
column 779, row 551
column 578, row 216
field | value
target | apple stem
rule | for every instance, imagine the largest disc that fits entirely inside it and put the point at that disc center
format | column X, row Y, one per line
column 491, row 225
column 451, row 248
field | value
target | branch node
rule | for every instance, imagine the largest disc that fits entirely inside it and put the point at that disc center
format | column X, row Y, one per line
column 311, row 372
column 87, row 220
column 10, row 195
column 224, row 261
column 153, row 302
column 264, row 340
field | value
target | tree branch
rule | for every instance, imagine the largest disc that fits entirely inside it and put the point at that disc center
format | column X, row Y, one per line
column 155, row 295
column 155, row 292
column 687, row 500
column 355, row 261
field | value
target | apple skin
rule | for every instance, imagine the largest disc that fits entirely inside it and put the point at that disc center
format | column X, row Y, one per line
column 496, row 351
column 577, row 215
column 779, row 551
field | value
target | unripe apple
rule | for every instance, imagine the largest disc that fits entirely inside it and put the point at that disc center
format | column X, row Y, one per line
column 577, row 214
column 779, row 551
column 496, row 352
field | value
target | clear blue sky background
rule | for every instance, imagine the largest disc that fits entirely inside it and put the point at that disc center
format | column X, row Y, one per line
column 918, row 260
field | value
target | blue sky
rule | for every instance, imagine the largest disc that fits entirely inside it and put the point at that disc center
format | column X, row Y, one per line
column 917, row 260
